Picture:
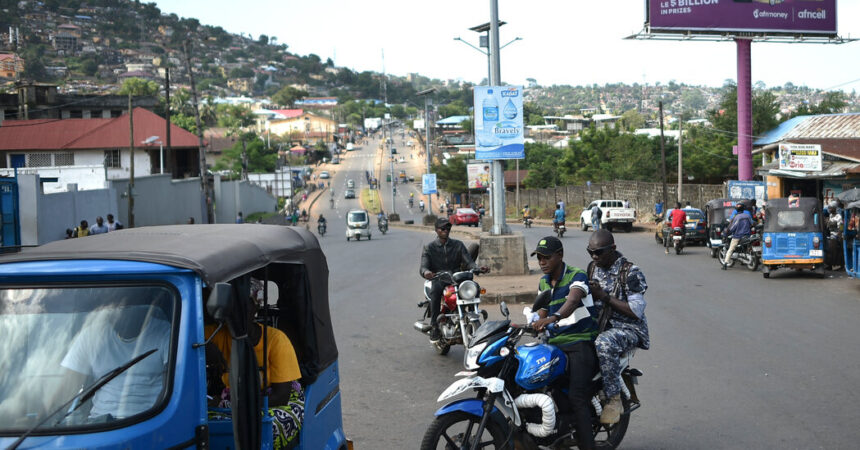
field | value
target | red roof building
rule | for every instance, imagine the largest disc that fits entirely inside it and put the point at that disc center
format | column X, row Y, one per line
column 99, row 142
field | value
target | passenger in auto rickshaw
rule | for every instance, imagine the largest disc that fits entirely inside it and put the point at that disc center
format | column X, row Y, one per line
column 286, row 397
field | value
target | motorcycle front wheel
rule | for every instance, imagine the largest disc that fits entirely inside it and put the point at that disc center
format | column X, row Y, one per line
column 455, row 430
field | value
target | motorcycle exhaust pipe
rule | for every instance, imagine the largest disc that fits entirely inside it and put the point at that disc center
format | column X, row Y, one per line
column 421, row 326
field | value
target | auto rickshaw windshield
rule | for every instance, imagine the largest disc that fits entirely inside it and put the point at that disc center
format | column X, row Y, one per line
column 58, row 339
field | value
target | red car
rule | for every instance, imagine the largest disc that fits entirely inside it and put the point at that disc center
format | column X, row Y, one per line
column 464, row 216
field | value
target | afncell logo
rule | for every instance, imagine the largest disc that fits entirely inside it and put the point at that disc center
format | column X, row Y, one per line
column 818, row 14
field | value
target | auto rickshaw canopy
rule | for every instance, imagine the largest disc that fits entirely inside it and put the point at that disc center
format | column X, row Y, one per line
column 220, row 253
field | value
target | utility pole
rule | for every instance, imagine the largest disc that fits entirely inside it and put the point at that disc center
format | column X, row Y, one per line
column 169, row 151
column 498, row 184
column 131, row 164
column 680, row 157
column 663, row 158
column 427, row 101
column 204, row 181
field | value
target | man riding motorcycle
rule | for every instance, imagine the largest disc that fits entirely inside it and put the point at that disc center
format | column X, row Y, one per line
column 421, row 205
column 443, row 254
column 678, row 218
column 739, row 228
column 558, row 217
column 321, row 224
column 570, row 294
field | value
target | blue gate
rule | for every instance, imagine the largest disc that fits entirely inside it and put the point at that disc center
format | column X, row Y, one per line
column 10, row 226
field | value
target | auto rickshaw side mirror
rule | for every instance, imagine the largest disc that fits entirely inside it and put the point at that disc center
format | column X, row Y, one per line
column 219, row 305
column 504, row 308
column 815, row 219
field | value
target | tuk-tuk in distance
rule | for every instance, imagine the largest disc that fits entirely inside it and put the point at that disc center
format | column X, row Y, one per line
column 61, row 302
column 717, row 214
column 793, row 235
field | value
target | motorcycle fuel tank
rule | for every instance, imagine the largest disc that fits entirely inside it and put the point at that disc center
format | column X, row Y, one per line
column 539, row 365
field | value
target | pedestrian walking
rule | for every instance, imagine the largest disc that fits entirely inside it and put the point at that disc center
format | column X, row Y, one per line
column 99, row 227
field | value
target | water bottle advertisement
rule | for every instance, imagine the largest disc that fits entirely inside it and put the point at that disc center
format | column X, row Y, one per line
column 499, row 122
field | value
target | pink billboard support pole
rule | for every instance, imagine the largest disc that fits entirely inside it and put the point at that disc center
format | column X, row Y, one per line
column 745, row 170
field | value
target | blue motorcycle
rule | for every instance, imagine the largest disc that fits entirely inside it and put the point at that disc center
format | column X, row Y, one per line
column 519, row 395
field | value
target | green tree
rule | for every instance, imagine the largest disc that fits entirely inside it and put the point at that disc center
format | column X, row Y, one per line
column 138, row 87
column 288, row 95
column 631, row 120
column 451, row 177
column 542, row 163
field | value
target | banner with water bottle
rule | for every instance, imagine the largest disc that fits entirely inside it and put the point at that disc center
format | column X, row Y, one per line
column 499, row 122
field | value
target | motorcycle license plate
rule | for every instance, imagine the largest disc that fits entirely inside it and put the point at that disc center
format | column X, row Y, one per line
column 756, row 248
column 677, row 238
column 816, row 253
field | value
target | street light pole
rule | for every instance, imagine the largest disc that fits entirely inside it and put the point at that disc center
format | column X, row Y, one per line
column 426, row 94
column 498, row 183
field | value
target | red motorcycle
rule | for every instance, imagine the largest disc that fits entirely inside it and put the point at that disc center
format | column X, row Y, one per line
column 460, row 315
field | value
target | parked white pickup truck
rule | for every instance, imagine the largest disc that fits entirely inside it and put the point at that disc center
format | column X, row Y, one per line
column 615, row 215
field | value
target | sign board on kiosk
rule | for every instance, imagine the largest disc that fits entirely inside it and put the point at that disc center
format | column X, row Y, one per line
column 814, row 18
column 747, row 190
column 478, row 175
column 800, row 157
column 499, row 123
column 428, row 183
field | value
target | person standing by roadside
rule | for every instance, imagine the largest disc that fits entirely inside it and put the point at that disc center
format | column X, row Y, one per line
column 99, row 227
column 239, row 218
column 82, row 230
column 571, row 303
column 112, row 224
column 596, row 215
column 619, row 285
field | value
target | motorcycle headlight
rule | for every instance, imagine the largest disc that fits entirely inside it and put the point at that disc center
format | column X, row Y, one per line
column 468, row 290
column 471, row 361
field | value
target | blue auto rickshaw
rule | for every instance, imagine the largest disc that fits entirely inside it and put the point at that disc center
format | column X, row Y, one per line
column 793, row 235
column 132, row 306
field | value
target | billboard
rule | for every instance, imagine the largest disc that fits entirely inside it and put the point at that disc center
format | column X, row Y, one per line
column 747, row 189
column 499, row 122
column 428, row 183
column 802, row 157
column 478, row 175
column 810, row 17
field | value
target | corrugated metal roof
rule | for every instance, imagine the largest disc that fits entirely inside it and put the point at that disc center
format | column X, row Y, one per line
column 89, row 134
column 824, row 126
column 453, row 120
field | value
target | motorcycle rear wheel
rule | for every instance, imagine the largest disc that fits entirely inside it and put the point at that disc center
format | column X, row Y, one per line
column 614, row 434
column 678, row 249
column 753, row 264
column 453, row 430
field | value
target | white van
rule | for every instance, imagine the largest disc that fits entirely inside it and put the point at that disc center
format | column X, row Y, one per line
column 357, row 224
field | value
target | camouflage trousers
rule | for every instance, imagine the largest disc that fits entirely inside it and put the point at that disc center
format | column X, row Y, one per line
column 610, row 345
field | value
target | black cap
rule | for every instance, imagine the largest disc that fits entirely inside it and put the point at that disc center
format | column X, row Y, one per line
column 442, row 222
column 548, row 246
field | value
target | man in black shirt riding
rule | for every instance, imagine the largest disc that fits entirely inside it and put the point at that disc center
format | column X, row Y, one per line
column 442, row 255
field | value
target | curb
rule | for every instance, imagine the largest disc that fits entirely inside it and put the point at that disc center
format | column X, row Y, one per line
column 429, row 228
column 509, row 297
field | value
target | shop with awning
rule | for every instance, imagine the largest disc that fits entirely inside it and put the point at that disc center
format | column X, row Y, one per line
column 811, row 156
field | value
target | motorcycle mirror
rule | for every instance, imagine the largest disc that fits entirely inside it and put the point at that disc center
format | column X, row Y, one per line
column 543, row 296
column 504, row 308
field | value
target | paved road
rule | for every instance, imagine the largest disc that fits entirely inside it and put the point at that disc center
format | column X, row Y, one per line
column 736, row 361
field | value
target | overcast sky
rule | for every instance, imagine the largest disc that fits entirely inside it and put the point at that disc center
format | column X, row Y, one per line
column 564, row 42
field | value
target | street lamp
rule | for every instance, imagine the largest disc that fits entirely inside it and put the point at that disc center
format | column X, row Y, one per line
column 157, row 140
column 426, row 94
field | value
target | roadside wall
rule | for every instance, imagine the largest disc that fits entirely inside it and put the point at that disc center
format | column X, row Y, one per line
column 234, row 196
column 641, row 195
column 159, row 200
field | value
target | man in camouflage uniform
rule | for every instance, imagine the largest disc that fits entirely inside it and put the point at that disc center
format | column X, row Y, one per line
column 628, row 327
